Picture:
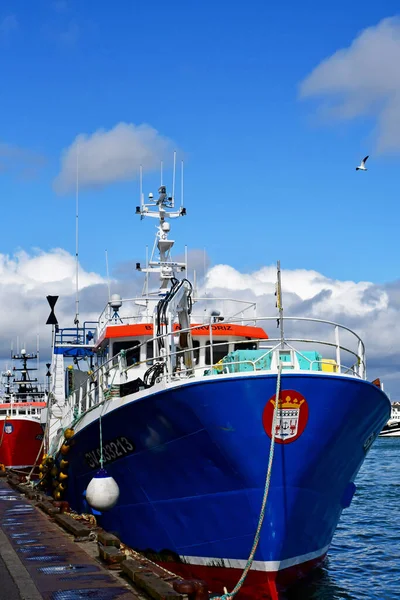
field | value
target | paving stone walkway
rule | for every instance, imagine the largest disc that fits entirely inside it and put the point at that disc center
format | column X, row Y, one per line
column 38, row 561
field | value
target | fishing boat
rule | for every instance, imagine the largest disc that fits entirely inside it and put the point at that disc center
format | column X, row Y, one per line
column 234, row 449
column 392, row 427
column 21, row 405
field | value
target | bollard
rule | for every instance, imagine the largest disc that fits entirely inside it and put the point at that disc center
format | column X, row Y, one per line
column 194, row 588
column 62, row 505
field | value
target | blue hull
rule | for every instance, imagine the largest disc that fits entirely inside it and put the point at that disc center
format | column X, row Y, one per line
column 191, row 463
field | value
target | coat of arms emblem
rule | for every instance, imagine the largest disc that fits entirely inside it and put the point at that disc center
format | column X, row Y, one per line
column 8, row 428
column 291, row 417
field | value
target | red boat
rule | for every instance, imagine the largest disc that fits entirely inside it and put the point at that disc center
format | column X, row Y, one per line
column 21, row 432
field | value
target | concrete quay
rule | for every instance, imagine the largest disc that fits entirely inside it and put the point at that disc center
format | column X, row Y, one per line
column 45, row 554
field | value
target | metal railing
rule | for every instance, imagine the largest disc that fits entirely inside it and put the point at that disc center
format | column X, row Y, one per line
column 103, row 384
column 76, row 335
column 144, row 310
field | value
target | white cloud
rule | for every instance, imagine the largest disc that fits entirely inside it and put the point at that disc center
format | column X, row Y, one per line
column 341, row 297
column 54, row 270
column 25, row 281
column 114, row 155
column 372, row 311
column 363, row 79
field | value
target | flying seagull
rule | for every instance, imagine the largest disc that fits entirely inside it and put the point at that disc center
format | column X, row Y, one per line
column 362, row 165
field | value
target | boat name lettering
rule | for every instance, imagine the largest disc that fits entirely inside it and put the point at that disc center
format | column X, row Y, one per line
column 213, row 327
column 117, row 448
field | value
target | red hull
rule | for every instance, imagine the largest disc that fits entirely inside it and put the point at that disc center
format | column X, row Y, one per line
column 20, row 442
column 258, row 585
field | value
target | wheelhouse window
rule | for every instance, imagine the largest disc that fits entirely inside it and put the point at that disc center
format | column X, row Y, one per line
column 180, row 353
column 3, row 412
column 219, row 350
column 178, row 350
column 196, row 351
column 132, row 351
column 246, row 345
column 149, row 352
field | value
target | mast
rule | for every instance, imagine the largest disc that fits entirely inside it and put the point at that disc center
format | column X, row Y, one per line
column 160, row 260
column 76, row 321
column 7, row 377
column 26, row 385
column 174, row 296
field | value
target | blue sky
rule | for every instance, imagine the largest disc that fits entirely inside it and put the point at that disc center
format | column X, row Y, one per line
column 265, row 177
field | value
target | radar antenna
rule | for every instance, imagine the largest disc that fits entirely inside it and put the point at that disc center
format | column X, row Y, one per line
column 162, row 209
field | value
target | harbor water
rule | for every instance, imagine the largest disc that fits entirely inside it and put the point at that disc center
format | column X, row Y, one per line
column 364, row 559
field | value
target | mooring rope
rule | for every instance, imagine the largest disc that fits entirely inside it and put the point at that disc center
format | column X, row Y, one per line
column 7, row 418
column 28, row 477
column 250, row 560
column 101, row 444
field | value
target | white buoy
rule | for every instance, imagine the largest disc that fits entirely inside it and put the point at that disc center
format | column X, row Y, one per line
column 102, row 492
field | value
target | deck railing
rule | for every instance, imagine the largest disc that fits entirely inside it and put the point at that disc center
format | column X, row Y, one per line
column 76, row 335
column 103, row 384
column 134, row 310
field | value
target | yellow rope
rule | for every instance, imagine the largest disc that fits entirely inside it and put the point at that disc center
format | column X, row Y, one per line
column 4, row 426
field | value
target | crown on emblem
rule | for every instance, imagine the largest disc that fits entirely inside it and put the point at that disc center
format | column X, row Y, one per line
column 288, row 402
